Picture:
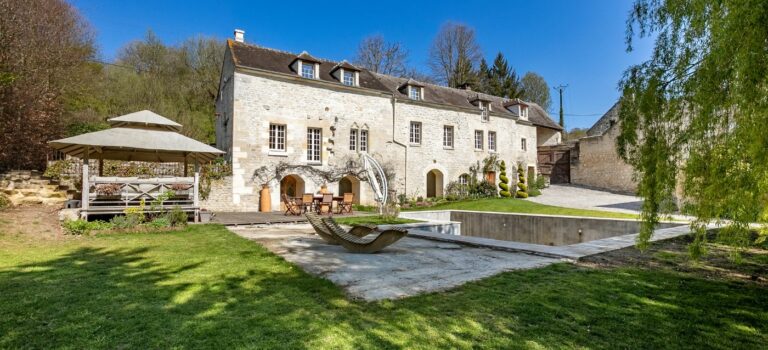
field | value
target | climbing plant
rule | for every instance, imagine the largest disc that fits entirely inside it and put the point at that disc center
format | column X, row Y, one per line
column 522, row 188
column 504, row 183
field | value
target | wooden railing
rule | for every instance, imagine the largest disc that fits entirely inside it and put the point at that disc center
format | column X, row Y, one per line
column 112, row 195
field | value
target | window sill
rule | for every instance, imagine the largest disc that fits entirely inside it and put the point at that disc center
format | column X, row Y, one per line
column 448, row 148
column 479, row 150
column 278, row 153
column 414, row 144
column 314, row 163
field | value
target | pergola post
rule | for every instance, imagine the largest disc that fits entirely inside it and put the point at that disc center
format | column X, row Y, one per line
column 186, row 163
column 196, row 192
column 101, row 165
column 86, row 187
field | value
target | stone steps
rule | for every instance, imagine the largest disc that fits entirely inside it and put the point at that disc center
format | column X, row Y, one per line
column 30, row 187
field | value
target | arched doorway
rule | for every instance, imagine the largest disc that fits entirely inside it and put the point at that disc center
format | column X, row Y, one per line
column 350, row 184
column 434, row 183
column 291, row 186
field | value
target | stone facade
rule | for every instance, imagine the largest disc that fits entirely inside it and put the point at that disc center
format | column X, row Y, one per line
column 252, row 99
column 598, row 165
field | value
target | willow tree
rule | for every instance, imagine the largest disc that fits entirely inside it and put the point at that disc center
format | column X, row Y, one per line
column 694, row 115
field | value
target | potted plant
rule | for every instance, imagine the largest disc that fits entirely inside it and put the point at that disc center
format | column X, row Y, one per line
column 108, row 191
column 181, row 190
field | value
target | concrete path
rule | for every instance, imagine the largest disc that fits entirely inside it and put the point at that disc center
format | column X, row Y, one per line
column 409, row 267
column 584, row 198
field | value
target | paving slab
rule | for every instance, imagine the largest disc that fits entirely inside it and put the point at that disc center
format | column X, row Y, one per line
column 409, row 267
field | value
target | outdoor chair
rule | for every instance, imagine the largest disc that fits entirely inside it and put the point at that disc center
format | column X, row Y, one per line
column 326, row 202
column 371, row 243
column 291, row 206
column 346, row 203
column 307, row 202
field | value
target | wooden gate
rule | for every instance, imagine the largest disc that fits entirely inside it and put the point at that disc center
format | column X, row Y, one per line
column 555, row 163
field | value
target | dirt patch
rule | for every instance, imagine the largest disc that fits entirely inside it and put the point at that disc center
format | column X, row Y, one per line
column 721, row 261
column 33, row 222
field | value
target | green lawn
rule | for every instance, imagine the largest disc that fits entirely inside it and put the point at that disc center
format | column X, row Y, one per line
column 373, row 220
column 207, row 288
column 513, row 205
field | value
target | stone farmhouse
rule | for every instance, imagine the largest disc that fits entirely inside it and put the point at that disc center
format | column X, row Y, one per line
column 276, row 107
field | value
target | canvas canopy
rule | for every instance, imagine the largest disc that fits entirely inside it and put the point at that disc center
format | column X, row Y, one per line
column 140, row 136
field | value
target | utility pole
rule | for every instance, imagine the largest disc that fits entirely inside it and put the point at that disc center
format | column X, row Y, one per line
column 560, row 89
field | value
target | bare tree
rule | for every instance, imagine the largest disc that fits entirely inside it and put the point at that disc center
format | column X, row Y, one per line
column 377, row 55
column 453, row 50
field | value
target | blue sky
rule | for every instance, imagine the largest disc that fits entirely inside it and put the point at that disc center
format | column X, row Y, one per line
column 579, row 43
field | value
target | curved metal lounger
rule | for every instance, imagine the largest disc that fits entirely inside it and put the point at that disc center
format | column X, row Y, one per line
column 356, row 230
column 321, row 229
column 369, row 244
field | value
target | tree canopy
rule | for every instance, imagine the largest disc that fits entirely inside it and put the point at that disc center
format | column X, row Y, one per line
column 378, row 55
column 536, row 89
column 692, row 116
column 46, row 50
column 454, row 54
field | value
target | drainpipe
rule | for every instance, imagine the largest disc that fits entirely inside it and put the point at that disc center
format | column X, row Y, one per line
column 405, row 148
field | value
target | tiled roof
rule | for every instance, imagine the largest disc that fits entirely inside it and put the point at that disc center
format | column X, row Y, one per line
column 247, row 55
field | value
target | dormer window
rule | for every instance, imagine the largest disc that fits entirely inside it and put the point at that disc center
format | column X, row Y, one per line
column 349, row 78
column 414, row 93
column 308, row 70
column 306, row 66
column 346, row 74
column 413, row 89
column 485, row 110
column 518, row 107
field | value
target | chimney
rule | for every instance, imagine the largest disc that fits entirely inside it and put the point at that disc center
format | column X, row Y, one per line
column 240, row 35
column 466, row 86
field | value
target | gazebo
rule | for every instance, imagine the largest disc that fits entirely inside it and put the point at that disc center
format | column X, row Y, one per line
column 140, row 136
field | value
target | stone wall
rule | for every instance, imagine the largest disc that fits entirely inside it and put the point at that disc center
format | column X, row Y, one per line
column 547, row 137
column 453, row 162
column 251, row 101
column 598, row 164
column 29, row 187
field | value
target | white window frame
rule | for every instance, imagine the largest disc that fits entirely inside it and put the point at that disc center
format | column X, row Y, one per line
column 351, row 75
column 314, row 145
column 448, row 136
column 414, row 93
column 414, row 133
column 492, row 141
column 363, row 140
column 524, row 144
column 464, row 179
column 353, row 139
column 303, row 72
column 277, row 137
column 479, row 143
column 485, row 111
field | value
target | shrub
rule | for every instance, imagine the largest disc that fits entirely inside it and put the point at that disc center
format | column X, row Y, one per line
column 419, row 199
column 504, row 183
column 456, row 191
column 57, row 169
column 4, row 201
column 136, row 214
column 124, row 222
column 522, row 188
column 484, row 189
column 82, row 227
column 390, row 211
column 160, row 222
column 176, row 217
column 402, row 198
